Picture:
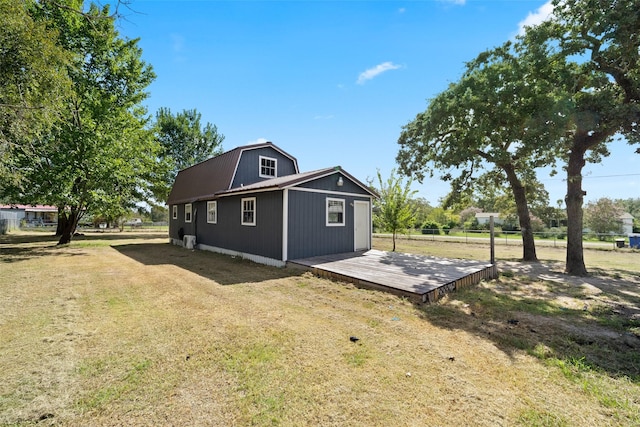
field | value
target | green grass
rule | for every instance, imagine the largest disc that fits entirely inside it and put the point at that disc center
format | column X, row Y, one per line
column 119, row 329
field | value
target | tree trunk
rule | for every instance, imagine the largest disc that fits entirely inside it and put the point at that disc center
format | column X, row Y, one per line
column 524, row 219
column 69, row 228
column 394, row 241
column 574, row 199
column 62, row 221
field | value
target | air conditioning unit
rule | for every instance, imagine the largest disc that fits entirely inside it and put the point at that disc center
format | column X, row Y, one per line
column 189, row 241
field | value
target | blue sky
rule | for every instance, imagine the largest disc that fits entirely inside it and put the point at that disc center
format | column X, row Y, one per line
column 333, row 82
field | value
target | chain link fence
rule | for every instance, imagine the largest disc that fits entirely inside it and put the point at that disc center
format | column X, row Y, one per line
column 547, row 238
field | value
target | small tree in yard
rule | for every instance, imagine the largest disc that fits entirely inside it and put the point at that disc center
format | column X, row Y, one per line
column 393, row 211
column 603, row 217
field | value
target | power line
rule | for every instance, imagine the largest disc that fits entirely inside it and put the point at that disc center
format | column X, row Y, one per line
column 591, row 177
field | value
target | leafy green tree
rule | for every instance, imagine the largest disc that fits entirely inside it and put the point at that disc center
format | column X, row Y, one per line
column 603, row 217
column 33, row 83
column 444, row 217
column 393, row 211
column 159, row 213
column 422, row 208
column 469, row 214
column 184, row 142
column 99, row 155
column 631, row 206
column 595, row 49
column 493, row 123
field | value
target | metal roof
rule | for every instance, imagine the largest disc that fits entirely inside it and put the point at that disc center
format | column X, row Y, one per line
column 31, row 208
column 212, row 176
column 289, row 181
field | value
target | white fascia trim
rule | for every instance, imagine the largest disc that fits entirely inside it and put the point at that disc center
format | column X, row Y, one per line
column 240, row 193
column 288, row 156
column 337, row 193
column 332, row 171
column 251, row 257
column 285, row 224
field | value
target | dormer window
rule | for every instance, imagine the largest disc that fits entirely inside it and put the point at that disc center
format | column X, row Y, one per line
column 268, row 167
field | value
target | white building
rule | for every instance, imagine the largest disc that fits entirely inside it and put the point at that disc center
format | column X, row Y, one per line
column 483, row 218
column 627, row 223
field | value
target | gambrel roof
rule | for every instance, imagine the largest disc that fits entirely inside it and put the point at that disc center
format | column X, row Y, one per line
column 215, row 175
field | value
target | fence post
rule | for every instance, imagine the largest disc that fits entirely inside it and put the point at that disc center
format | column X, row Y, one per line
column 492, row 243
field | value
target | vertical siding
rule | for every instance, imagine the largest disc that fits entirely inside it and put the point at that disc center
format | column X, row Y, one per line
column 264, row 239
column 176, row 224
column 330, row 183
column 308, row 234
column 248, row 171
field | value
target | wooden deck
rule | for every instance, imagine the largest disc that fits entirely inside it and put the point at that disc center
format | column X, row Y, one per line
column 421, row 278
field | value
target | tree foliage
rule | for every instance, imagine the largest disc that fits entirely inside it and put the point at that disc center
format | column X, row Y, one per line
column 578, row 75
column 184, row 142
column 422, row 210
column 490, row 128
column 603, row 217
column 595, row 46
column 631, row 206
column 33, row 83
column 98, row 155
column 393, row 211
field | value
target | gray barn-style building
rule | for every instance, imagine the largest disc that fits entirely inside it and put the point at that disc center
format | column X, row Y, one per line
column 253, row 202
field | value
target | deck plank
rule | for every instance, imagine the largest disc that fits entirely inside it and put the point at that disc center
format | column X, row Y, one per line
column 407, row 273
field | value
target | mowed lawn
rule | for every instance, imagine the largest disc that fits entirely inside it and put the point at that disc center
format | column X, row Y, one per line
column 125, row 329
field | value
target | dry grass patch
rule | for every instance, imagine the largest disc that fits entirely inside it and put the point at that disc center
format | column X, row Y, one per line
column 133, row 331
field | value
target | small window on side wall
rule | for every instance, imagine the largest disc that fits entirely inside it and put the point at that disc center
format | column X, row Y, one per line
column 212, row 212
column 268, row 167
column 175, row 211
column 187, row 213
column 335, row 212
column 249, row 211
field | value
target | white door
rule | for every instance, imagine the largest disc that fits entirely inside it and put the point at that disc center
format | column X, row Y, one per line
column 362, row 225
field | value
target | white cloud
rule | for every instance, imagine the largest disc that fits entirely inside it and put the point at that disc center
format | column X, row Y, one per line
column 258, row 141
column 177, row 42
column 456, row 2
column 376, row 71
column 543, row 13
column 178, row 47
column 321, row 117
column 402, row 10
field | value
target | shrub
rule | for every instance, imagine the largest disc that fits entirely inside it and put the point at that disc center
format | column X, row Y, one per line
column 430, row 227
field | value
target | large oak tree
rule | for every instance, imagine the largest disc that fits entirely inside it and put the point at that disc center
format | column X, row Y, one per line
column 98, row 153
column 491, row 126
column 596, row 46
column 33, row 83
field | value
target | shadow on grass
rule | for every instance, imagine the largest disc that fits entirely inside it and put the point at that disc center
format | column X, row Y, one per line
column 223, row 269
column 598, row 334
column 15, row 248
column 22, row 246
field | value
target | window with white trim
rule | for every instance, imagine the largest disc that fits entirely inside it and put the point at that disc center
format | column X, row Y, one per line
column 175, row 211
column 268, row 167
column 249, row 211
column 335, row 212
column 187, row 212
column 212, row 212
